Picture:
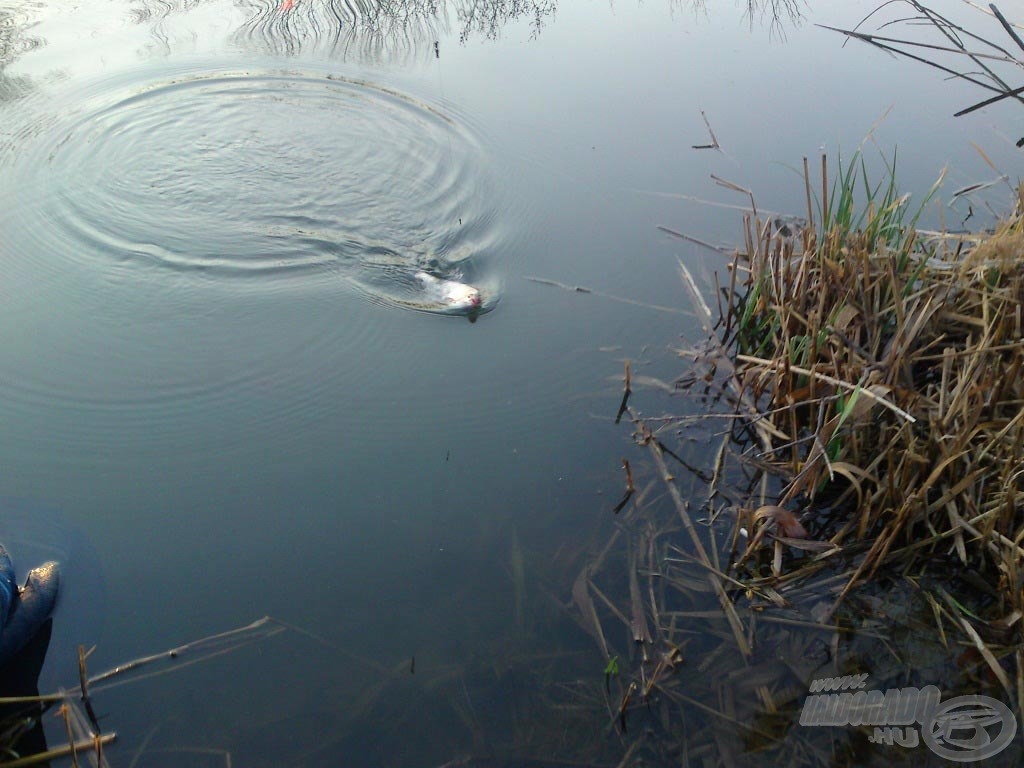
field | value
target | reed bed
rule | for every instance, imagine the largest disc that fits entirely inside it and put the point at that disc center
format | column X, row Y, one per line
column 887, row 363
column 861, row 509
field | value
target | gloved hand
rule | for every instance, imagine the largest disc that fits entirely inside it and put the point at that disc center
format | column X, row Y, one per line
column 24, row 610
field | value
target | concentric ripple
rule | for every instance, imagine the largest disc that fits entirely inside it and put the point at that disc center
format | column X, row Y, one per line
column 191, row 256
column 260, row 176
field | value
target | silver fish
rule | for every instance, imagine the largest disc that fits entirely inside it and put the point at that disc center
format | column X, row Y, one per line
column 451, row 295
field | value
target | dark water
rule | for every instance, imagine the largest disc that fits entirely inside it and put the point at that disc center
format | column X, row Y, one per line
column 209, row 216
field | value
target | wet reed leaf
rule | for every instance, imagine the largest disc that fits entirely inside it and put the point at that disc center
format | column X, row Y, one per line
column 638, row 622
column 785, row 520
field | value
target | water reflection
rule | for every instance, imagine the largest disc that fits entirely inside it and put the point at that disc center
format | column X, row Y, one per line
column 341, row 28
column 777, row 15
column 382, row 29
column 487, row 19
column 15, row 40
column 393, row 30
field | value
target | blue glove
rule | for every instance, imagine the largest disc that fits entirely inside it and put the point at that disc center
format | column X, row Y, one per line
column 23, row 611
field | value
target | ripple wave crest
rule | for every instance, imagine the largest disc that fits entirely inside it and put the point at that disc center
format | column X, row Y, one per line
column 243, row 176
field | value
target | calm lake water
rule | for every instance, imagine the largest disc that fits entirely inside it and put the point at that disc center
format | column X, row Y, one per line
column 210, row 215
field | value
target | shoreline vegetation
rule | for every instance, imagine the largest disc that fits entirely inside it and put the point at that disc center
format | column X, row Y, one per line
column 854, row 507
column 862, row 381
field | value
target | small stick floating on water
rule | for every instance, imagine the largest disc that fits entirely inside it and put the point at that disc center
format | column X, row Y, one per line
column 630, row 488
column 714, row 141
column 626, row 392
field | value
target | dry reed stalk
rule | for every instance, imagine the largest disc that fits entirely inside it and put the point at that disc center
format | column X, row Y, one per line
column 44, row 758
column 80, row 721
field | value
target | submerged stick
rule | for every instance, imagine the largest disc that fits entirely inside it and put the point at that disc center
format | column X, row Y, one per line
column 83, row 678
column 63, row 712
column 692, row 239
column 585, row 604
column 763, row 429
column 630, row 488
column 207, row 647
column 714, row 141
column 626, row 698
column 715, row 576
column 79, row 729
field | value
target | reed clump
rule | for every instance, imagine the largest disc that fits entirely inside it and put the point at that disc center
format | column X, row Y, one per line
column 860, row 510
column 887, row 366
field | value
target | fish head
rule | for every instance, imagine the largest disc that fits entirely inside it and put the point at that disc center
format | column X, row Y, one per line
column 462, row 295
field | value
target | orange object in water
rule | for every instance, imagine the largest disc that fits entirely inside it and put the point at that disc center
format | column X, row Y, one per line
column 286, row 5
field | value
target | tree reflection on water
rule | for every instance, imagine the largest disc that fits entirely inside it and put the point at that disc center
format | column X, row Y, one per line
column 374, row 29
column 381, row 29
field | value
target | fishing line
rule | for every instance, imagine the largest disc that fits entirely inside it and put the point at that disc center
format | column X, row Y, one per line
column 444, row 103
